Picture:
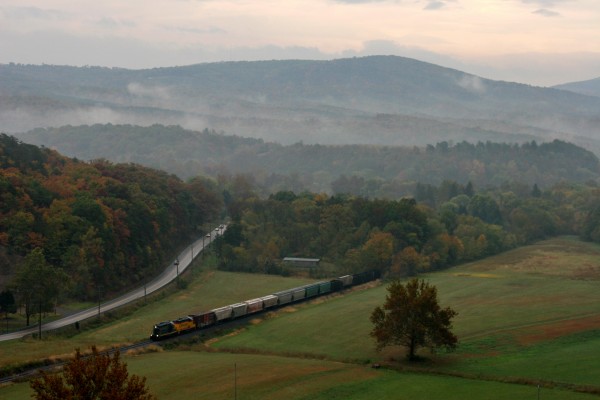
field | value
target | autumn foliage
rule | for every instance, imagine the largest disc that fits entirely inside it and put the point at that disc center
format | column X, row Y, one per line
column 97, row 376
column 105, row 225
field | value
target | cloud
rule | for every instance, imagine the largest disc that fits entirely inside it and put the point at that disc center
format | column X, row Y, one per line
column 472, row 83
column 434, row 5
column 33, row 13
column 202, row 31
column 546, row 13
column 544, row 3
column 360, row 1
column 108, row 22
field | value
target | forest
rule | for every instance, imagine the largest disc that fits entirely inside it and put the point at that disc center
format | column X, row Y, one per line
column 104, row 225
column 363, row 170
column 402, row 237
column 112, row 225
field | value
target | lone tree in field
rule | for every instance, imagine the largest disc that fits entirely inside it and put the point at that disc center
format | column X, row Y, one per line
column 97, row 376
column 412, row 317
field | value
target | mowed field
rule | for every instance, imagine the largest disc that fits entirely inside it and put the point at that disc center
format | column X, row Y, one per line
column 526, row 317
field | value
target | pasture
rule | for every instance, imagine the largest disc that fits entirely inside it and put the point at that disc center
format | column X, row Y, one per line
column 208, row 290
column 526, row 317
column 183, row 375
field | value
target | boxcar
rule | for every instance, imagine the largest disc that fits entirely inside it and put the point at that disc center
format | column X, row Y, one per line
column 254, row 305
column 336, row 285
column 269, row 301
column 346, row 280
column 223, row 313
column 204, row 319
column 312, row 290
column 298, row 293
column 239, row 310
column 284, row 297
column 324, row 287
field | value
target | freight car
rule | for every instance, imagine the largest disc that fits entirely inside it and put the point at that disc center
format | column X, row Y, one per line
column 191, row 322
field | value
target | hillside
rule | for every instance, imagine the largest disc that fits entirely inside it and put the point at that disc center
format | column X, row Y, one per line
column 589, row 87
column 327, row 102
column 526, row 317
column 105, row 225
column 376, row 171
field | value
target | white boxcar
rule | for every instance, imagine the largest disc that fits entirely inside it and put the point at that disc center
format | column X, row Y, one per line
column 298, row 294
column 269, row 301
column 239, row 309
column 346, row 280
column 223, row 313
column 254, row 305
column 284, row 297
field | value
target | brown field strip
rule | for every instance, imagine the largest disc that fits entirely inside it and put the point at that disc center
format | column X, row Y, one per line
column 557, row 329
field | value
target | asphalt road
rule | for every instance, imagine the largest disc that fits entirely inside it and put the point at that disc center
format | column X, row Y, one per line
column 175, row 267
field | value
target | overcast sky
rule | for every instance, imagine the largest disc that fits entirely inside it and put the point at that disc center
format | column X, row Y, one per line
column 541, row 42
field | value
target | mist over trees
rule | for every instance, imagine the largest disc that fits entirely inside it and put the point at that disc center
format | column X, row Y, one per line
column 376, row 100
column 368, row 171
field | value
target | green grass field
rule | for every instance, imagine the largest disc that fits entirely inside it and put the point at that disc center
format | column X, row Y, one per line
column 209, row 290
column 184, row 375
column 528, row 316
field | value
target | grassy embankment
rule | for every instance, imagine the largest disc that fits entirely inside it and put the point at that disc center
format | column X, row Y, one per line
column 527, row 316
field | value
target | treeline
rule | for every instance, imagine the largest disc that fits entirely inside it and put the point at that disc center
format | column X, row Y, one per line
column 105, row 225
column 369, row 171
column 402, row 237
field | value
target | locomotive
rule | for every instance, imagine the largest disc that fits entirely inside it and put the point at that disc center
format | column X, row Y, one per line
column 219, row 315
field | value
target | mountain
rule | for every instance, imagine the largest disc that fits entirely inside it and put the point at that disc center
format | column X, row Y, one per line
column 590, row 87
column 383, row 100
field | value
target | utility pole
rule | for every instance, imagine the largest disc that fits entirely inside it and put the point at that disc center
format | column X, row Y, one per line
column 40, row 320
column 99, row 298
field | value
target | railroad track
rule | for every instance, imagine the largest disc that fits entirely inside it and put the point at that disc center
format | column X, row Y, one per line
column 57, row 366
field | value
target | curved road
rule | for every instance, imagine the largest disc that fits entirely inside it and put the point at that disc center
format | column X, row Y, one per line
column 176, row 267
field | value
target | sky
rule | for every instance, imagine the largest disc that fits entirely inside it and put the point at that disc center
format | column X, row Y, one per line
column 538, row 42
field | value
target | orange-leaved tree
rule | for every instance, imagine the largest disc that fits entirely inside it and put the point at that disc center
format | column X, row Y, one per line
column 96, row 376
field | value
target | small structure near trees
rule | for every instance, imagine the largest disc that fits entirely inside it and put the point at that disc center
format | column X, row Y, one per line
column 412, row 317
column 97, row 376
column 299, row 262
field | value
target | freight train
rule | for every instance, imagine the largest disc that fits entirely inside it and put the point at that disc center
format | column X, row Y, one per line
column 219, row 315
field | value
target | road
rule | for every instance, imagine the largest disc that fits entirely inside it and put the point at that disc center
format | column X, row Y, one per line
column 175, row 267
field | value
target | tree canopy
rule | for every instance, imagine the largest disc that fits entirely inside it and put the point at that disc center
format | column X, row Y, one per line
column 97, row 376
column 104, row 224
column 412, row 317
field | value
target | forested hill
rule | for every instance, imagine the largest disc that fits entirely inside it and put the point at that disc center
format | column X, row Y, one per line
column 376, row 171
column 384, row 100
column 104, row 224
column 590, row 87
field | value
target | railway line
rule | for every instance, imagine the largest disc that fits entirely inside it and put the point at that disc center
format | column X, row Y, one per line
column 284, row 298
column 171, row 272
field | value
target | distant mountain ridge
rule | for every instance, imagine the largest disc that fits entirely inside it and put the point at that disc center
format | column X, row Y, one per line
column 589, row 87
column 384, row 100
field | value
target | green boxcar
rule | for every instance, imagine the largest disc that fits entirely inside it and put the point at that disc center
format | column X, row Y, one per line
column 312, row 290
column 324, row 287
